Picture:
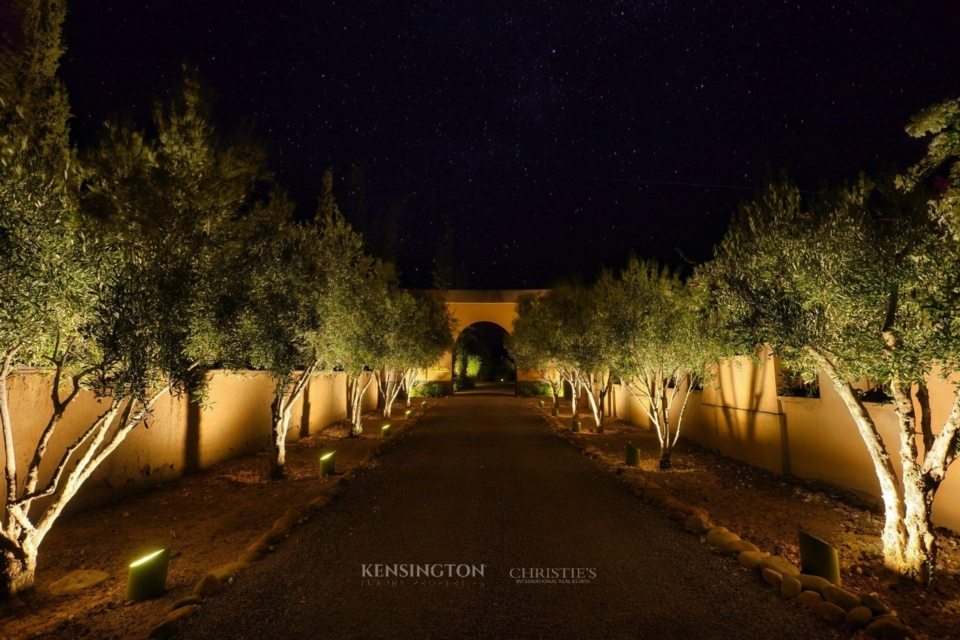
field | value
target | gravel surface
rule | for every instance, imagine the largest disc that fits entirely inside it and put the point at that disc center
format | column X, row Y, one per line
column 483, row 481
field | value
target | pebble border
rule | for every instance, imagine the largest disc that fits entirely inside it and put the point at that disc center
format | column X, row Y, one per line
column 833, row 604
column 215, row 579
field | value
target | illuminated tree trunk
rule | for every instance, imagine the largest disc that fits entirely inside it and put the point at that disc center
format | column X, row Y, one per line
column 389, row 383
column 598, row 386
column 355, row 393
column 894, row 536
column 286, row 394
column 922, row 480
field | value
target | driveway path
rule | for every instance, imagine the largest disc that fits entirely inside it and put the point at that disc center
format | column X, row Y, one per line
column 483, row 481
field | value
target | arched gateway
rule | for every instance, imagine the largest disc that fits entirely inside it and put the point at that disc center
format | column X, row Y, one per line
column 468, row 306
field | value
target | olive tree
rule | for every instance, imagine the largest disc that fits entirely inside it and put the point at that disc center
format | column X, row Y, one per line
column 849, row 284
column 266, row 309
column 924, row 331
column 419, row 330
column 51, row 269
column 532, row 340
column 665, row 351
column 347, row 337
column 565, row 330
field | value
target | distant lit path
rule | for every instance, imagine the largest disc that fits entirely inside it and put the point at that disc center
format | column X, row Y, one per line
column 481, row 480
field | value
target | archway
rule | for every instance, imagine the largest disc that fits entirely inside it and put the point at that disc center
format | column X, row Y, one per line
column 469, row 307
column 481, row 363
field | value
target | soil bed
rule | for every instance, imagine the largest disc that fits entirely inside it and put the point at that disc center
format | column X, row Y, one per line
column 768, row 510
column 205, row 519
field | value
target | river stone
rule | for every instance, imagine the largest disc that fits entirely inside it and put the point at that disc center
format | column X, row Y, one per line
column 719, row 536
column 772, row 578
column 858, row 617
column 249, row 557
column 810, row 600
column 697, row 511
column 183, row 602
column 638, row 482
column 286, row 522
column 652, row 485
column 677, row 516
column 182, row 613
column 840, row 597
column 831, row 612
column 272, row 537
column 790, row 587
column 813, row 583
column 737, row 547
column 780, row 565
column 887, row 628
column 224, row 574
column 697, row 525
column 320, row 502
column 651, row 495
column 76, row 581
column 751, row 559
column 237, row 565
column 875, row 605
column 661, row 501
column 207, row 586
column 258, row 547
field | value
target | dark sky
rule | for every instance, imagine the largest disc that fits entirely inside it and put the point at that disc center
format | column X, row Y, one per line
column 545, row 131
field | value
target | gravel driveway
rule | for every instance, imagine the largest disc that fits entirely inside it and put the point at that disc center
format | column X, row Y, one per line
column 483, row 481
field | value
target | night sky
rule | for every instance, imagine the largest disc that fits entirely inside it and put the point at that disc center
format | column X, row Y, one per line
column 555, row 138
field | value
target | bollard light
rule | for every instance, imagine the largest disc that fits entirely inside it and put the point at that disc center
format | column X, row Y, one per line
column 632, row 457
column 817, row 558
column 327, row 464
column 423, row 405
column 147, row 577
column 554, row 412
column 575, row 425
column 385, row 431
column 408, row 414
column 540, row 404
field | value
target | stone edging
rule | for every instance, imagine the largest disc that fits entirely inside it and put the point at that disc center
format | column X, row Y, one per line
column 214, row 580
column 833, row 604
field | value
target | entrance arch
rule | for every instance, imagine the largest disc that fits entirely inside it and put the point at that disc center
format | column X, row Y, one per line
column 469, row 306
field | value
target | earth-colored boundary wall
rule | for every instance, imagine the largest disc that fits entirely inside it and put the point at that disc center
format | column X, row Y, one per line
column 741, row 416
column 179, row 437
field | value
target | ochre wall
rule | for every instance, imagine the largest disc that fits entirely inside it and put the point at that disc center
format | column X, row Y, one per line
column 181, row 437
column 741, row 417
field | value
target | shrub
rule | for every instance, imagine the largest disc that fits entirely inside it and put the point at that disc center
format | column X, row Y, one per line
column 429, row 390
column 534, row 389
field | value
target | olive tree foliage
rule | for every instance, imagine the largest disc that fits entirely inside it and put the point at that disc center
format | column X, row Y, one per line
column 50, row 268
column 846, row 284
column 416, row 331
column 347, row 338
column 942, row 122
column 665, row 350
column 573, row 338
column 266, row 307
column 531, row 344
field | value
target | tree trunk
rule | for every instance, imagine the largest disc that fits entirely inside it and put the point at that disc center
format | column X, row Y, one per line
column 19, row 569
column 665, row 450
column 388, row 399
column 278, row 441
column 894, row 534
column 920, row 554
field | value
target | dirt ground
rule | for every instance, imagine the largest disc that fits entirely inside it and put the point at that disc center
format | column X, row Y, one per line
column 768, row 510
column 205, row 519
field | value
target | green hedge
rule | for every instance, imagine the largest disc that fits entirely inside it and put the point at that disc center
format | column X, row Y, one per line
column 429, row 390
column 534, row 389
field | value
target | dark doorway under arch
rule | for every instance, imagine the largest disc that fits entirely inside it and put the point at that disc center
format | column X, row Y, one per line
column 481, row 363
